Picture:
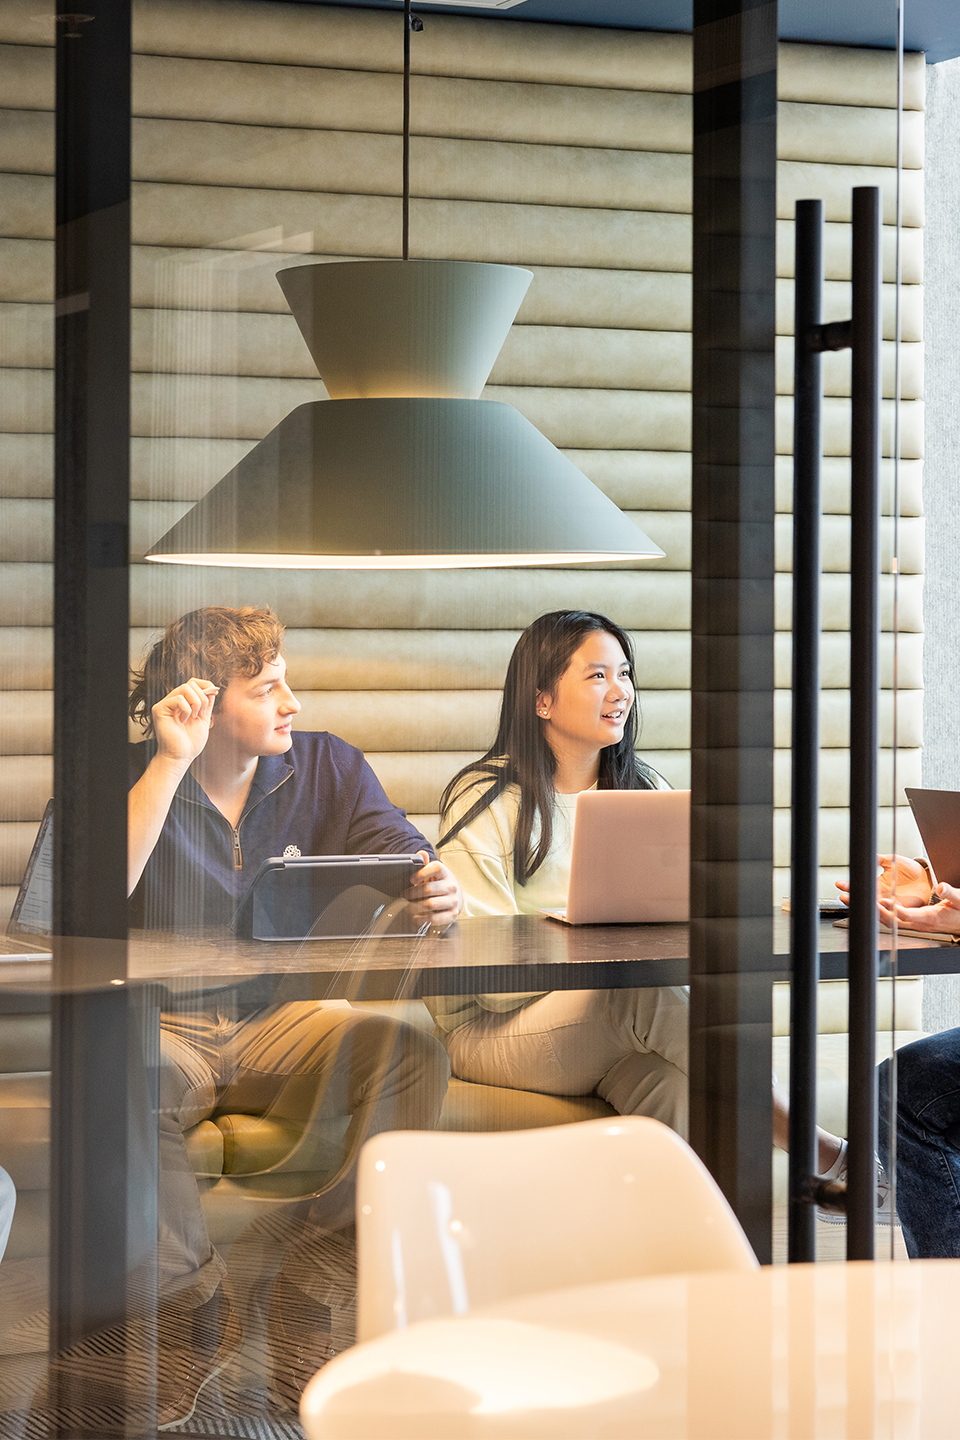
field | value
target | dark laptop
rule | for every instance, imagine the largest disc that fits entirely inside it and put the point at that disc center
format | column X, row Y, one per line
column 937, row 813
column 31, row 922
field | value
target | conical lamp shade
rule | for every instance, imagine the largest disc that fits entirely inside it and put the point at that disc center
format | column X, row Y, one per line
column 405, row 468
column 404, row 327
column 403, row 483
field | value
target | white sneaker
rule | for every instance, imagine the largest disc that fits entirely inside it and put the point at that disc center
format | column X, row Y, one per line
column 838, row 1171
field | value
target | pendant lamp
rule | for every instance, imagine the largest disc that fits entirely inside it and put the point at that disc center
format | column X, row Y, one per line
column 404, row 467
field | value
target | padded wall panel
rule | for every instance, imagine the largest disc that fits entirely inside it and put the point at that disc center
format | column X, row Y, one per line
column 560, row 295
column 337, row 224
column 349, row 39
column 16, row 842
column 433, row 599
column 835, row 601
column 477, row 659
column 836, row 427
column 835, row 776
column 835, row 481
column 836, row 252
column 8, row 895
column 458, row 720
column 192, row 341
column 414, row 780
column 404, row 719
column 184, row 468
column 26, row 722
column 835, row 719
column 351, row 225
column 320, row 98
column 835, row 660
column 26, row 658
column 501, row 598
column 835, row 832
column 26, row 594
column 837, row 306
column 228, row 90
column 421, row 660
column 276, row 158
column 850, row 77
column 26, row 784
column 246, row 407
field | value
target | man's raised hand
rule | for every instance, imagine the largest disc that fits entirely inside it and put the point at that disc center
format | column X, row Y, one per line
column 181, row 720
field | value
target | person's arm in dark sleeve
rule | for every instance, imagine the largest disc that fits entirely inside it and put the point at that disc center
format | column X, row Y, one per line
column 378, row 827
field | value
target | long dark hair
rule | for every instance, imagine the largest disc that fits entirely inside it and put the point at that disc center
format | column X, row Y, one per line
column 520, row 754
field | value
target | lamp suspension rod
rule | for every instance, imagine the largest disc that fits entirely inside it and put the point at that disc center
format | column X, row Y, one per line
column 804, row 860
column 406, row 131
column 865, row 453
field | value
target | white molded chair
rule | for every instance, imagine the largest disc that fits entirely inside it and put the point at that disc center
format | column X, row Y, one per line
column 448, row 1222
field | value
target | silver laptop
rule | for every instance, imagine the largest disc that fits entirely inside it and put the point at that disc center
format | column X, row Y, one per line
column 630, row 862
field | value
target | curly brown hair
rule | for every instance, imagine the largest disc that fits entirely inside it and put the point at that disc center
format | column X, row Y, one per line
column 217, row 644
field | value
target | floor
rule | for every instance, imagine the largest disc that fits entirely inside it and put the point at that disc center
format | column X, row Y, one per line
column 243, row 1402
column 832, row 1240
column 251, row 1398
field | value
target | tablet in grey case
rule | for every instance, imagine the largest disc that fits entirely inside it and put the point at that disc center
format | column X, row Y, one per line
column 327, row 897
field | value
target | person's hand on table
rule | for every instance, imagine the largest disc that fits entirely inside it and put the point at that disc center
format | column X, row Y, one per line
column 181, row 720
column 435, row 894
column 940, row 918
column 908, row 879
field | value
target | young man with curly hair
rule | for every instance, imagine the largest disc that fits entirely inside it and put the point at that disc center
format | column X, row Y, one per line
column 220, row 783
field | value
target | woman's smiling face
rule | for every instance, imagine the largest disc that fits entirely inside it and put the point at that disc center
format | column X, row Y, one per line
column 589, row 707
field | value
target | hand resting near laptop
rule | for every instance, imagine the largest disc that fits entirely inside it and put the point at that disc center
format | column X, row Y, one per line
column 909, row 895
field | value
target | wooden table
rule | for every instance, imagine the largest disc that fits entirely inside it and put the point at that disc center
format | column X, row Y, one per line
column 499, row 954
column 802, row 1352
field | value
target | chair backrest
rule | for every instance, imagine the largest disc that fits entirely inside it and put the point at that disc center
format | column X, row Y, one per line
column 447, row 1222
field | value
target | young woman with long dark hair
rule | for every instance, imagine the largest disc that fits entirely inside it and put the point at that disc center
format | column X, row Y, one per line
column 568, row 723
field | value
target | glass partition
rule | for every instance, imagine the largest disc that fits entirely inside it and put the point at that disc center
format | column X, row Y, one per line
column 284, row 712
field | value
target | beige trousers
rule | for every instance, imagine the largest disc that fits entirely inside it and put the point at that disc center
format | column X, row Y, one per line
column 298, row 1062
column 630, row 1046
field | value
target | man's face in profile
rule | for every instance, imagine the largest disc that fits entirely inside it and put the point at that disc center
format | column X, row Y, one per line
column 255, row 713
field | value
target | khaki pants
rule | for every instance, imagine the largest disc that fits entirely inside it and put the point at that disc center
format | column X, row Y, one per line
column 294, row 1061
column 630, row 1046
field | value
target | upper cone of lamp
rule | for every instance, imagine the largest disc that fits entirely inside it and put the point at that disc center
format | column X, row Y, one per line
column 404, row 328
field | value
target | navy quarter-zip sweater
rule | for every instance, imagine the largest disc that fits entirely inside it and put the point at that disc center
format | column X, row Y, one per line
column 321, row 796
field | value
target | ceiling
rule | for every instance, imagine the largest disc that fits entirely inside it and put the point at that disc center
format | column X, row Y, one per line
column 929, row 25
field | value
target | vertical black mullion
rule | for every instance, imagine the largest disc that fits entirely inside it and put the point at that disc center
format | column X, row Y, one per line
column 864, row 729
column 97, row 1036
column 734, row 239
column 804, row 896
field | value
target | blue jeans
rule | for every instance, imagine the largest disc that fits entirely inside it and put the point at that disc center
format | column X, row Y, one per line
column 928, row 1143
